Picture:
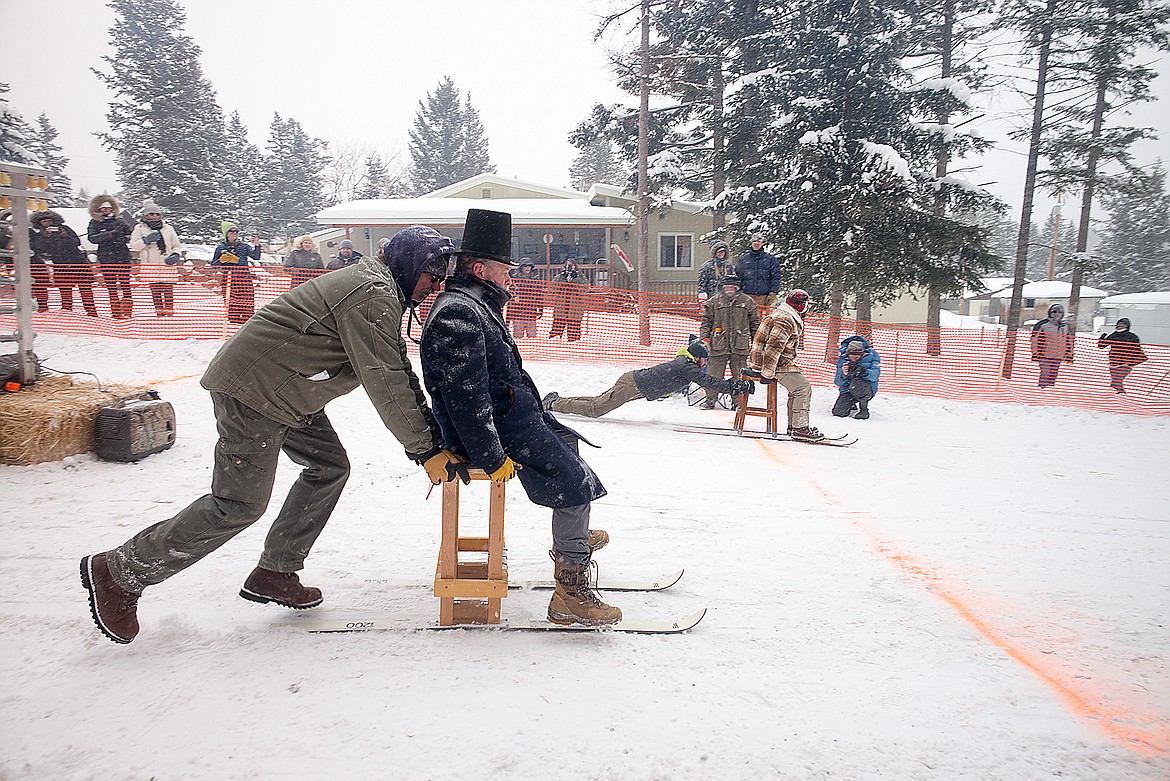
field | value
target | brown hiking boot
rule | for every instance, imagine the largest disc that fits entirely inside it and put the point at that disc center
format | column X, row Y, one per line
column 805, row 434
column 283, row 588
column 114, row 609
column 598, row 539
column 573, row 602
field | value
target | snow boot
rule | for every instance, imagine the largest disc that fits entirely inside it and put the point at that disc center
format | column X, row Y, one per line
column 805, row 434
column 283, row 588
column 863, row 413
column 573, row 601
column 598, row 539
column 114, row 609
column 547, row 401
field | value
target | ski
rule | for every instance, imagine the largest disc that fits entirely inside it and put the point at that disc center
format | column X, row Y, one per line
column 841, row 441
column 604, row 583
column 378, row 623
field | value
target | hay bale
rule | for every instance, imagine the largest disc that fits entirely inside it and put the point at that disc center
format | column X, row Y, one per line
column 52, row 418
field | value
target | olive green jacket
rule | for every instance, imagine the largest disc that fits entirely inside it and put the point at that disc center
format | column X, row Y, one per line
column 321, row 340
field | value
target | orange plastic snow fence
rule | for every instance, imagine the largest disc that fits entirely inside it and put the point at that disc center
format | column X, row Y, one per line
column 613, row 324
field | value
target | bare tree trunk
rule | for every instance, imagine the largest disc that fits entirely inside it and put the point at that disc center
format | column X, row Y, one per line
column 718, row 170
column 836, row 306
column 644, row 183
column 933, row 296
column 1074, row 295
column 864, row 325
column 1017, row 300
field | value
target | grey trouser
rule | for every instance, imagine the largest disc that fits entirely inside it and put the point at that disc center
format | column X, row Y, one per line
column 624, row 390
column 241, row 485
column 570, row 525
column 799, row 397
column 717, row 368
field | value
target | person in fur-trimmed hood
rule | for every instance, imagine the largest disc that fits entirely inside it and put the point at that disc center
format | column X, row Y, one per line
column 156, row 245
column 712, row 272
column 111, row 234
column 858, row 369
column 304, row 262
column 54, row 241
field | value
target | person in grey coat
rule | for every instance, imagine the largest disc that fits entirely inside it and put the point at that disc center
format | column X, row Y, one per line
column 269, row 386
column 653, row 383
column 1051, row 344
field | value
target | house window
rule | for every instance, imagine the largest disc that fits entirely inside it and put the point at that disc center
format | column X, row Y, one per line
column 674, row 250
column 1029, row 303
column 485, row 192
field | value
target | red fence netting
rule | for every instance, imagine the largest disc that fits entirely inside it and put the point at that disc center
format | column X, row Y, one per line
column 612, row 331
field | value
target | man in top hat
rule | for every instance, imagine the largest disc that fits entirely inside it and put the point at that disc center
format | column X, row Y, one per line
column 269, row 385
column 490, row 413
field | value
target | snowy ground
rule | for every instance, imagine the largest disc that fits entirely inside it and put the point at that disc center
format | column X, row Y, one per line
column 973, row 591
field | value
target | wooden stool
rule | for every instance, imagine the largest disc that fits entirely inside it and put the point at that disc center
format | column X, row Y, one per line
column 743, row 410
column 469, row 592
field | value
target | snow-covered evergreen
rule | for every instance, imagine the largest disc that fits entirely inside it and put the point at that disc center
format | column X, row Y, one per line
column 16, row 137
column 1134, row 251
column 447, row 140
column 166, row 127
column 292, row 180
column 45, row 147
column 244, row 186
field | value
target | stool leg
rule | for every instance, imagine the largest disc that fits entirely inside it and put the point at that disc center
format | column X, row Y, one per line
column 773, row 412
column 495, row 562
column 449, row 548
column 741, row 406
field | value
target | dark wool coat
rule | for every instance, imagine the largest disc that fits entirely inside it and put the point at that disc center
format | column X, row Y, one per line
column 758, row 272
column 1124, row 349
column 870, row 363
column 487, row 406
column 657, row 382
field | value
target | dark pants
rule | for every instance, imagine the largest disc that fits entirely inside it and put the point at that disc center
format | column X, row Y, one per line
column 42, row 278
column 162, row 294
column 116, row 277
column 1048, row 371
column 1117, row 374
column 67, row 276
column 239, row 294
column 560, row 324
column 570, row 525
column 246, row 456
column 859, row 392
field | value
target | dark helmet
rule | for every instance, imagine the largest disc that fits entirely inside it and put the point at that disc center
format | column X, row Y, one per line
column 798, row 300
column 698, row 349
column 414, row 250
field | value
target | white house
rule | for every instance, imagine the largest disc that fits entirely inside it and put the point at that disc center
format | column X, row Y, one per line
column 1148, row 313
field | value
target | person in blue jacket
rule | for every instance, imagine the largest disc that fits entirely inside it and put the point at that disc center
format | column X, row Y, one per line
column 858, row 369
column 759, row 272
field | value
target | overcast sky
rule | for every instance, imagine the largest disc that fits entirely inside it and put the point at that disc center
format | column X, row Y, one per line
column 354, row 71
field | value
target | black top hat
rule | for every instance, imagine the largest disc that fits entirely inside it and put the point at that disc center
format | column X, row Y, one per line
column 488, row 234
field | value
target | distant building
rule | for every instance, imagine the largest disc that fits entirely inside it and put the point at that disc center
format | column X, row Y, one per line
column 1148, row 313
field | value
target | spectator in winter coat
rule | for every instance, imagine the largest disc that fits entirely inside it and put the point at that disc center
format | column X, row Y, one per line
column 712, row 272
column 527, row 304
column 111, row 234
column 233, row 256
column 759, row 273
column 269, row 386
column 1051, row 344
column 773, row 359
column 1125, row 352
column 568, row 293
column 52, row 240
column 858, row 369
column 490, row 412
column 157, row 246
column 729, row 323
column 304, row 262
column 346, row 256
column 653, row 383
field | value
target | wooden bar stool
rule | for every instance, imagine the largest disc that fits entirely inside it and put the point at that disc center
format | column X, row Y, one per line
column 743, row 410
column 469, row 592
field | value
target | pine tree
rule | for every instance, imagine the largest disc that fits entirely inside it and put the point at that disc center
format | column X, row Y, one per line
column 597, row 164
column 292, row 179
column 375, row 180
column 244, row 185
column 1134, row 249
column 166, row 127
column 447, row 141
column 16, row 137
column 44, row 145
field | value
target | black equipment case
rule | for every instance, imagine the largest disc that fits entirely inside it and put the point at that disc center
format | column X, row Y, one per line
column 134, row 427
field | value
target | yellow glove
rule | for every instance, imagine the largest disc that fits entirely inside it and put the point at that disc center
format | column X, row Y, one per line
column 505, row 473
column 444, row 466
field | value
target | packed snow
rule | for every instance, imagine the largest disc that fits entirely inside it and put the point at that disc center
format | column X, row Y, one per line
column 973, row 591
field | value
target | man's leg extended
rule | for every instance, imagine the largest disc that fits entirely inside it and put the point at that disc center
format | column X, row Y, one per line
column 623, row 391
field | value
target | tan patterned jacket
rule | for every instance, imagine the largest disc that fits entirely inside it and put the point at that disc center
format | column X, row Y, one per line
column 774, row 346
